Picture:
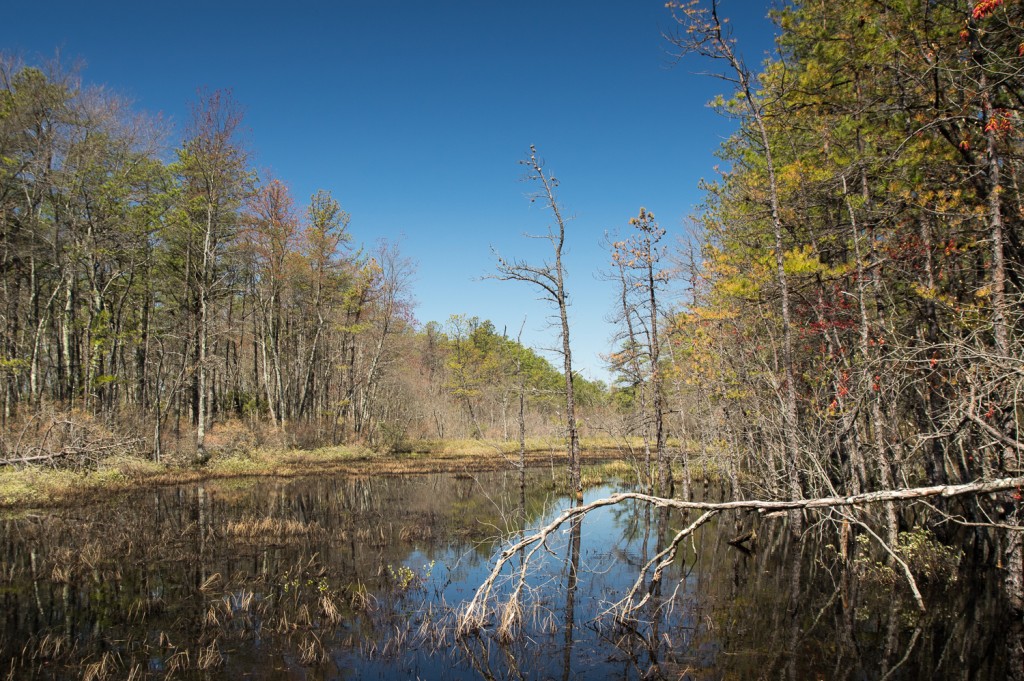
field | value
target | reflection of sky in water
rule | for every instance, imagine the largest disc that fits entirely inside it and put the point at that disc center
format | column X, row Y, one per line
column 614, row 544
column 733, row 618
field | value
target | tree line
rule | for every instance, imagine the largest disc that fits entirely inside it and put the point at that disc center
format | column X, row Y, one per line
column 163, row 289
column 851, row 316
column 856, row 274
column 855, row 277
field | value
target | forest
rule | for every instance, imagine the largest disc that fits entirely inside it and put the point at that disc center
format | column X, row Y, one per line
column 162, row 298
column 844, row 316
column 851, row 317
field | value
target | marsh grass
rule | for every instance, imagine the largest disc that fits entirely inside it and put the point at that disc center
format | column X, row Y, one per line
column 209, row 657
column 330, row 610
column 511, row 618
column 52, row 646
column 311, row 650
column 28, row 486
column 360, row 599
column 300, row 604
column 102, row 669
column 179, row 661
column 264, row 529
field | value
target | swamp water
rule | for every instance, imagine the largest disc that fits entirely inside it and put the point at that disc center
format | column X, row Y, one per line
column 351, row 578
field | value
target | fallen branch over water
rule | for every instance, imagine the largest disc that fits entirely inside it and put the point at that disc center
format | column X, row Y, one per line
column 474, row 615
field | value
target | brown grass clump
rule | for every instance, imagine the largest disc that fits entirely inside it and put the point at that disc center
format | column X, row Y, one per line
column 360, row 599
column 102, row 669
column 179, row 661
column 231, row 437
column 256, row 529
column 511, row 617
column 209, row 657
column 330, row 610
column 52, row 647
column 311, row 650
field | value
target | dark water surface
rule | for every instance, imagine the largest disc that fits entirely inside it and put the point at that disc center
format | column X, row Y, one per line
column 350, row 578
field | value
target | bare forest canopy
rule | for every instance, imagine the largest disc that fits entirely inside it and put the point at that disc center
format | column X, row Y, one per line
column 853, row 310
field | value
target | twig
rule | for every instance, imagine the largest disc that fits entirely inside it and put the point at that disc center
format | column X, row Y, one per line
column 663, row 559
column 903, row 564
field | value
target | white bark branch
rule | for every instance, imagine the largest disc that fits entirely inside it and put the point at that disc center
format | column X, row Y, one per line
column 474, row 615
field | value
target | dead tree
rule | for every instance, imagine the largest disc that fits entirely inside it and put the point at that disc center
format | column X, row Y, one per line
column 474, row 614
column 636, row 259
column 549, row 277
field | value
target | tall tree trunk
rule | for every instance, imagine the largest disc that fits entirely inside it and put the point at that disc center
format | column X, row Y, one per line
column 665, row 483
column 550, row 279
column 203, row 339
column 704, row 34
column 878, row 420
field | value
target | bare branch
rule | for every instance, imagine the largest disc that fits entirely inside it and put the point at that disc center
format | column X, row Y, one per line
column 474, row 615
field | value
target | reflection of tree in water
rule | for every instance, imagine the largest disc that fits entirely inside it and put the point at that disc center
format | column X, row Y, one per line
column 232, row 575
column 795, row 609
column 175, row 579
column 572, row 566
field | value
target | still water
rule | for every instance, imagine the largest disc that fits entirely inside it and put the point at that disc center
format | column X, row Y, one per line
column 359, row 578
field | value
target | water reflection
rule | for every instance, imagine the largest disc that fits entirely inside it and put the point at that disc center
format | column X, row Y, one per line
column 331, row 578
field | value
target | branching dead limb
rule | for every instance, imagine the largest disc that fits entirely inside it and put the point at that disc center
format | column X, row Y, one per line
column 895, row 556
column 663, row 560
column 90, row 452
column 475, row 614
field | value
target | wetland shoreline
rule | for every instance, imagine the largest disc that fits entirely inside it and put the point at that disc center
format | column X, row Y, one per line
column 24, row 487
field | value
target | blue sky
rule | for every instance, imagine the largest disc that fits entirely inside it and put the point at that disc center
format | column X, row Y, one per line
column 415, row 116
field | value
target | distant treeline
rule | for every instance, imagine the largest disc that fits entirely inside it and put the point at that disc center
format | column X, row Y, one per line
column 145, row 286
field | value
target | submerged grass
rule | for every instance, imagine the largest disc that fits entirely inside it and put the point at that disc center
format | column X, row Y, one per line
column 264, row 529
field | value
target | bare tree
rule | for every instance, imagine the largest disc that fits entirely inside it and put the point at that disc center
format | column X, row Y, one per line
column 627, row 362
column 636, row 259
column 549, row 277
